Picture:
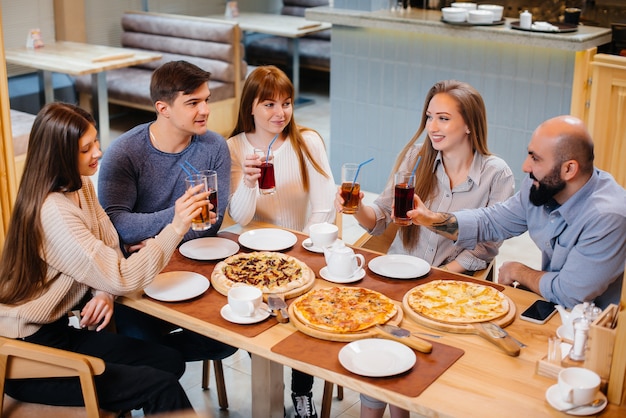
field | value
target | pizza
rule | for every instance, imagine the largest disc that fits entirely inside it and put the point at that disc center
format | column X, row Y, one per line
column 269, row 271
column 456, row 301
column 343, row 309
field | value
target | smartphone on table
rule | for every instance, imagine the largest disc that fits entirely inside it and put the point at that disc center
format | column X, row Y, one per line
column 539, row 312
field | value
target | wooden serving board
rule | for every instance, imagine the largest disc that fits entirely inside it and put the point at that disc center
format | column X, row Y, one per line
column 342, row 337
column 460, row 328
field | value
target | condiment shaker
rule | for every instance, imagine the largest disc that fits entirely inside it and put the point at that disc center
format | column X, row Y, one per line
column 525, row 19
column 581, row 333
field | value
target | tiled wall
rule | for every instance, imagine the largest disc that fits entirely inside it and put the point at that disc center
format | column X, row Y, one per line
column 379, row 80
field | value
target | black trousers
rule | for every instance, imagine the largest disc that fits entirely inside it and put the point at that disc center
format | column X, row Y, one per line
column 137, row 374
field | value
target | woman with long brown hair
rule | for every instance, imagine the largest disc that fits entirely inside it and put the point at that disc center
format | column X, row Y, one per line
column 62, row 254
column 455, row 171
column 304, row 183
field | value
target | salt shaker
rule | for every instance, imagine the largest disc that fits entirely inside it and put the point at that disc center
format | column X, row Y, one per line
column 581, row 333
column 525, row 19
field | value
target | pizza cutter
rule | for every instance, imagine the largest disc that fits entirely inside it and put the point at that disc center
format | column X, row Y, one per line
column 403, row 336
column 278, row 305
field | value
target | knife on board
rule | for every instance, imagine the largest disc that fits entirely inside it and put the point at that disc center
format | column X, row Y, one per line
column 403, row 336
column 278, row 305
column 496, row 335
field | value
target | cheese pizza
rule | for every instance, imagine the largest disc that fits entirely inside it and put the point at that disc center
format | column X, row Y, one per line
column 269, row 271
column 343, row 309
column 456, row 301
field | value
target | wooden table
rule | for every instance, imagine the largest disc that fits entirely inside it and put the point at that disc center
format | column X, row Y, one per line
column 483, row 382
column 77, row 59
column 287, row 26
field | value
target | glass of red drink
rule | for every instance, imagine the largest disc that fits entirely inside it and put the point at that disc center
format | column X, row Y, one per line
column 211, row 181
column 404, row 190
column 267, row 182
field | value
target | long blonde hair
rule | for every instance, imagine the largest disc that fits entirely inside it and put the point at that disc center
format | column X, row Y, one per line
column 471, row 106
column 266, row 83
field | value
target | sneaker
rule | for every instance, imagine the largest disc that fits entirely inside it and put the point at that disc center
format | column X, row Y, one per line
column 304, row 406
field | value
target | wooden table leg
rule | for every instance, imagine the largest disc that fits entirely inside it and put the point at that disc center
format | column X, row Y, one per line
column 267, row 388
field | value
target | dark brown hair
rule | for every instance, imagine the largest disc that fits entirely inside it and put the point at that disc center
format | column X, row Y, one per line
column 174, row 77
column 51, row 166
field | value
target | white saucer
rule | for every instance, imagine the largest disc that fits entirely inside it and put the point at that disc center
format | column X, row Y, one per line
column 565, row 334
column 307, row 244
column 262, row 313
column 553, row 396
column 354, row 278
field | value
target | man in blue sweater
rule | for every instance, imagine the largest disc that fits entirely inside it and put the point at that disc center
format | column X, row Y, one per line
column 142, row 175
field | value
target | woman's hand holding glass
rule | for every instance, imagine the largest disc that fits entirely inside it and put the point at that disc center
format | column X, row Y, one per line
column 251, row 170
column 188, row 206
column 339, row 200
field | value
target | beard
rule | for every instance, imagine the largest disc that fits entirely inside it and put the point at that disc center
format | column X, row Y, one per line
column 550, row 185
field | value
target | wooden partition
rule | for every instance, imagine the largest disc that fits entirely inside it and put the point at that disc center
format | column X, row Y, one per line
column 8, row 182
column 607, row 114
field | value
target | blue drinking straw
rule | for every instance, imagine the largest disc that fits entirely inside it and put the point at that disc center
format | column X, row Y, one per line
column 267, row 156
column 359, row 169
column 185, row 170
column 192, row 167
column 415, row 168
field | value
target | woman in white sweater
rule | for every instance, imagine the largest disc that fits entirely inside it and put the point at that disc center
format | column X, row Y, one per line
column 62, row 254
column 305, row 188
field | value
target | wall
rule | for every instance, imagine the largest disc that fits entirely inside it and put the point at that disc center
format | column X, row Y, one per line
column 379, row 80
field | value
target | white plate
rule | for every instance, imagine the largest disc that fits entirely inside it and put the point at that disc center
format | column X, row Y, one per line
column 175, row 286
column 307, row 244
column 209, row 248
column 565, row 334
column 399, row 266
column 259, row 315
column 376, row 357
column 554, row 399
column 354, row 278
column 268, row 239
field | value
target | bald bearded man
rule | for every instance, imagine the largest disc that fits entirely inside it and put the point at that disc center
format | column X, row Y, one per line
column 574, row 212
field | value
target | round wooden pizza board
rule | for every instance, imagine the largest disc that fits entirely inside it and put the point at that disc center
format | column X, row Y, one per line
column 459, row 328
column 223, row 289
column 342, row 337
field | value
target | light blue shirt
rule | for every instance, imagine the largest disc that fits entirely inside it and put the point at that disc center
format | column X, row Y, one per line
column 582, row 242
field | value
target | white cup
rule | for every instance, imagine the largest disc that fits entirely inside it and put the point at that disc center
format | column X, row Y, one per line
column 323, row 234
column 244, row 300
column 578, row 386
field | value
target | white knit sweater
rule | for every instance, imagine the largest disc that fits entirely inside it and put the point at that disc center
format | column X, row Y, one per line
column 290, row 207
column 82, row 246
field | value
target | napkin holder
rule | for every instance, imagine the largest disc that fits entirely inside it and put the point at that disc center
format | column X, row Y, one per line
column 601, row 342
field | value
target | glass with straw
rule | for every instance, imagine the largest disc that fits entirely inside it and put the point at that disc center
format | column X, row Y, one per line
column 267, row 181
column 202, row 222
column 350, row 187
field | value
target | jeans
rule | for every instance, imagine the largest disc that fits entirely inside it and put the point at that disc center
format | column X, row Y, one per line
column 137, row 374
column 193, row 346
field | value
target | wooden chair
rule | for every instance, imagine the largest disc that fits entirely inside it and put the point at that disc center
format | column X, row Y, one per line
column 23, row 360
column 218, row 367
column 327, row 398
column 381, row 243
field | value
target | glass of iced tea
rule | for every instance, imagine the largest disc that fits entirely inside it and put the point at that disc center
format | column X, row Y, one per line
column 267, row 182
column 211, row 182
column 404, row 190
column 202, row 222
column 350, row 188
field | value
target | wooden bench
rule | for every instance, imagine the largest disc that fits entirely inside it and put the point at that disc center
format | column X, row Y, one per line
column 213, row 45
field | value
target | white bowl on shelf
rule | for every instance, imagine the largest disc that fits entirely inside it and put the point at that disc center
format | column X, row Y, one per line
column 465, row 5
column 479, row 16
column 454, row 14
column 495, row 9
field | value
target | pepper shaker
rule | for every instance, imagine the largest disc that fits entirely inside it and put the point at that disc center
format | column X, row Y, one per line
column 581, row 334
